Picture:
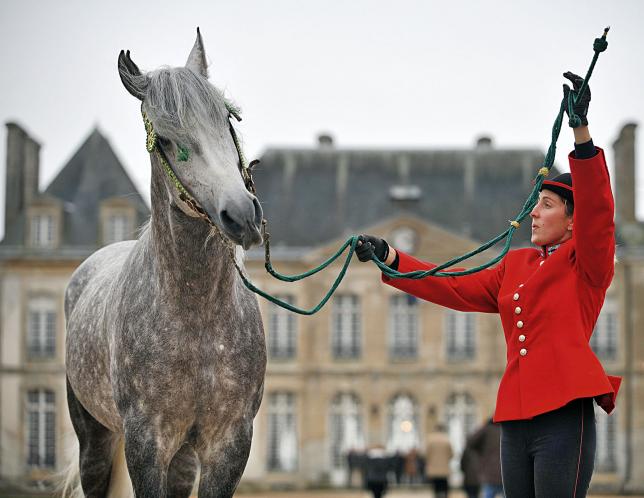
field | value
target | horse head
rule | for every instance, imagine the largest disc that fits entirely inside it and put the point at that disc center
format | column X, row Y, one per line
column 194, row 136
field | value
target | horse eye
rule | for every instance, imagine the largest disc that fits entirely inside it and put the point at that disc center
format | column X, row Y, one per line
column 164, row 142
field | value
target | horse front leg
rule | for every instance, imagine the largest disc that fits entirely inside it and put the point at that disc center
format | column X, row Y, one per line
column 223, row 461
column 147, row 462
column 182, row 472
column 96, row 444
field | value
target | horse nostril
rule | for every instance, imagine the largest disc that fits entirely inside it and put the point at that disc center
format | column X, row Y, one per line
column 230, row 223
column 258, row 212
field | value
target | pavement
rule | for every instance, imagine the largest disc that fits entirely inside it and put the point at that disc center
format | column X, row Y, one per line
column 421, row 493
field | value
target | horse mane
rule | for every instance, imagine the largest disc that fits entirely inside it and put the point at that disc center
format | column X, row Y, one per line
column 179, row 102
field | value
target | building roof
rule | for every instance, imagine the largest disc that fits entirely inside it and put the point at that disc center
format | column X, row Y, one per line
column 312, row 196
column 91, row 176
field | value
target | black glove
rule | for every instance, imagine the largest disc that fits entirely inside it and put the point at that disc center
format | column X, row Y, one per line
column 581, row 109
column 369, row 245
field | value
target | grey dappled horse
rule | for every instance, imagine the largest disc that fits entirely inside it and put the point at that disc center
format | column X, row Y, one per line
column 165, row 345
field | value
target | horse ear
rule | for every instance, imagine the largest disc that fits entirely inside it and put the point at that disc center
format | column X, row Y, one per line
column 133, row 80
column 197, row 58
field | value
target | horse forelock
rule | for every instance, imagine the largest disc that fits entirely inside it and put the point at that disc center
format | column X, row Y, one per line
column 180, row 103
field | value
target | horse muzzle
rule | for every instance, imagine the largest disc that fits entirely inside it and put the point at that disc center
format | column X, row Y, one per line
column 243, row 225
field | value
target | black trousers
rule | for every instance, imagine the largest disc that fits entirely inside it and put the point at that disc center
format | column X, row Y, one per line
column 441, row 486
column 471, row 491
column 377, row 488
column 551, row 455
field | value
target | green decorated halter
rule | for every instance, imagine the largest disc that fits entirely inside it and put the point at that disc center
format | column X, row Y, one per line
column 152, row 146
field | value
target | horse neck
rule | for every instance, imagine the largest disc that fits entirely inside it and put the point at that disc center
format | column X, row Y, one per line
column 185, row 263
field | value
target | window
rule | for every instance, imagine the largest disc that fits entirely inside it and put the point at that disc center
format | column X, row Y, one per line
column 282, row 339
column 41, row 428
column 42, row 230
column 606, row 455
column 346, row 431
column 41, row 328
column 403, row 326
column 346, row 327
column 461, row 419
column 282, row 436
column 117, row 228
column 604, row 338
column 459, row 335
column 403, row 433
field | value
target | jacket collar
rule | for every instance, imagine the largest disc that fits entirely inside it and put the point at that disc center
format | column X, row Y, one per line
column 549, row 249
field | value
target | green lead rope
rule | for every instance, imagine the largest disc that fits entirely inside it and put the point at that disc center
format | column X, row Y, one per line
column 599, row 46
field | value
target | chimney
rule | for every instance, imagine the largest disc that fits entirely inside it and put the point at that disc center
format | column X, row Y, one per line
column 624, row 171
column 484, row 143
column 21, row 185
column 325, row 141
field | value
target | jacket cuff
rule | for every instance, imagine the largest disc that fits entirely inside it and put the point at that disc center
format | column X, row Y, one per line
column 585, row 150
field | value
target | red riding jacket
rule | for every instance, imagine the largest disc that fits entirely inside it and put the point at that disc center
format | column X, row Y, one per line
column 548, row 299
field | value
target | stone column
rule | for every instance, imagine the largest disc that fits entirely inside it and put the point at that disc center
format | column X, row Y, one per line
column 624, row 148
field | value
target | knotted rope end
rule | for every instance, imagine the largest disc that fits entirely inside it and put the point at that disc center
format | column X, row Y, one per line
column 601, row 44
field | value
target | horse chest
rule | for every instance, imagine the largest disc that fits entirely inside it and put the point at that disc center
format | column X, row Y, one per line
column 197, row 360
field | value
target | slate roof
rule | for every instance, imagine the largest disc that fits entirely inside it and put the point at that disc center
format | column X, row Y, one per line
column 313, row 196
column 93, row 174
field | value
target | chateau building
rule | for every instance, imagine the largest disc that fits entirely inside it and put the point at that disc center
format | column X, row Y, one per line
column 374, row 366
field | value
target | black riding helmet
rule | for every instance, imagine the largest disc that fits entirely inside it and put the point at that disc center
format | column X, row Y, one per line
column 562, row 186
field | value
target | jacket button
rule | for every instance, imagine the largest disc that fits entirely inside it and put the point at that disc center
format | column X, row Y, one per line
column 516, row 296
column 541, row 263
column 520, row 324
column 521, row 338
column 523, row 352
column 520, row 285
column 517, row 310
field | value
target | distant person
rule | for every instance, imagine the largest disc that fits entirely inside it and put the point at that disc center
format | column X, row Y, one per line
column 411, row 473
column 377, row 465
column 470, row 466
column 353, row 465
column 398, row 466
column 486, row 442
column 438, row 455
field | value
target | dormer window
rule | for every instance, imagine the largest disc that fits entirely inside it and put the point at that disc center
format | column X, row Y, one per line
column 118, row 223
column 43, row 230
column 118, row 227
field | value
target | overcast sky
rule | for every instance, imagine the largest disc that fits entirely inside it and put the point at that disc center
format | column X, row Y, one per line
column 409, row 73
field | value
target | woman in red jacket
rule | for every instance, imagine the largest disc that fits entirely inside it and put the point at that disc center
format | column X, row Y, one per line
column 548, row 298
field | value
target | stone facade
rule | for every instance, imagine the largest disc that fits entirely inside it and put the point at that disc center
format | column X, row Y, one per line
column 372, row 367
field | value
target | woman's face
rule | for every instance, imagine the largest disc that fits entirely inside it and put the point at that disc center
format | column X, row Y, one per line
column 550, row 223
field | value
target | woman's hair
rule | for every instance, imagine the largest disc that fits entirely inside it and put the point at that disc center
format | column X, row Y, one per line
column 570, row 206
